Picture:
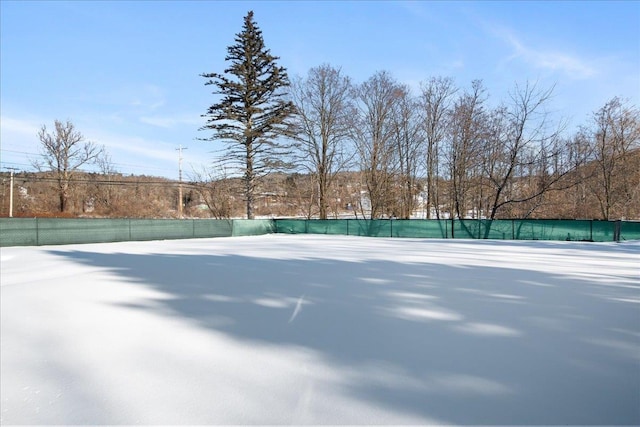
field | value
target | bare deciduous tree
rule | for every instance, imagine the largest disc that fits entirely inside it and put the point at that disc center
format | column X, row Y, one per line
column 435, row 105
column 616, row 131
column 466, row 132
column 215, row 192
column 64, row 151
column 372, row 130
column 578, row 152
column 522, row 142
column 324, row 111
column 407, row 138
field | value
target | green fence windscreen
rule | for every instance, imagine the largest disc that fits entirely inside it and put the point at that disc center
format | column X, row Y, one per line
column 253, row 227
column 55, row 231
column 149, row 229
column 60, row 231
column 630, row 230
column 552, row 230
column 534, row 229
column 364, row 227
column 434, row 229
column 18, row 232
column 212, row 228
column 291, row 226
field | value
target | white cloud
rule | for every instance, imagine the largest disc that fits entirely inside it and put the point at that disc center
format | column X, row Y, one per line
column 17, row 131
column 19, row 126
column 148, row 96
column 153, row 156
column 148, row 149
column 128, row 98
column 129, row 153
column 170, row 122
column 19, row 141
column 545, row 58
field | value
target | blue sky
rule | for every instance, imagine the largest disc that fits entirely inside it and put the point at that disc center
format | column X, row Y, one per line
column 127, row 73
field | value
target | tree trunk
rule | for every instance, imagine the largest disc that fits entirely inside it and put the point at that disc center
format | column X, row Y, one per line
column 249, row 180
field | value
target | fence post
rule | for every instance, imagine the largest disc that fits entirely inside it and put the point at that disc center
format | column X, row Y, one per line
column 616, row 230
column 591, row 230
column 37, row 232
column 513, row 229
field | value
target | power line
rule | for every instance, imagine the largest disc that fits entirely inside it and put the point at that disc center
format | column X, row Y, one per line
column 13, row 163
column 129, row 165
column 131, row 181
column 19, row 152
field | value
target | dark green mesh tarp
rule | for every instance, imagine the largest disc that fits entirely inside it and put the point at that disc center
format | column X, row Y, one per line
column 497, row 229
column 569, row 230
column 630, row 230
column 291, row 226
column 534, row 229
column 316, row 226
column 370, row 228
column 212, row 228
column 353, row 227
column 602, row 231
column 312, row 226
column 435, row 229
column 18, row 232
column 363, row 227
column 552, row 230
column 253, row 227
column 60, row 231
column 56, row 231
column 150, row 229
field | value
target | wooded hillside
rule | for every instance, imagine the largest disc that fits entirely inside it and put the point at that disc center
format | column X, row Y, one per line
column 580, row 195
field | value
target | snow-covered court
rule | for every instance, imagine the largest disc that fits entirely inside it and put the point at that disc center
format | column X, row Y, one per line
column 283, row 329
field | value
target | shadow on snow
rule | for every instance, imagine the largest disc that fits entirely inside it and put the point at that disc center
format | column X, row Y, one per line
column 462, row 344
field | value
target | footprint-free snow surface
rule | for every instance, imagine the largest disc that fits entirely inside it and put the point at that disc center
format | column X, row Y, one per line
column 285, row 329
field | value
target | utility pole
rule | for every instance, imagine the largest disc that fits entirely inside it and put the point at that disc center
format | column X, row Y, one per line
column 11, row 193
column 179, row 149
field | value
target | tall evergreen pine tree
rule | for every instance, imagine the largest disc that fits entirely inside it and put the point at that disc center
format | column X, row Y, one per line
column 252, row 113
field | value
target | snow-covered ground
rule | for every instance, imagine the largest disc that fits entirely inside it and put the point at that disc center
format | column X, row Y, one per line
column 283, row 329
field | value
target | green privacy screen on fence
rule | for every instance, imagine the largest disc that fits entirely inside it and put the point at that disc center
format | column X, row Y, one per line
column 252, row 227
column 630, row 230
column 56, row 231
column 535, row 229
column 438, row 229
column 59, row 231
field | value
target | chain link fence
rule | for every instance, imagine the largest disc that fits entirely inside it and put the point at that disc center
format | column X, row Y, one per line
column 58, row 231
column 534, row 229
